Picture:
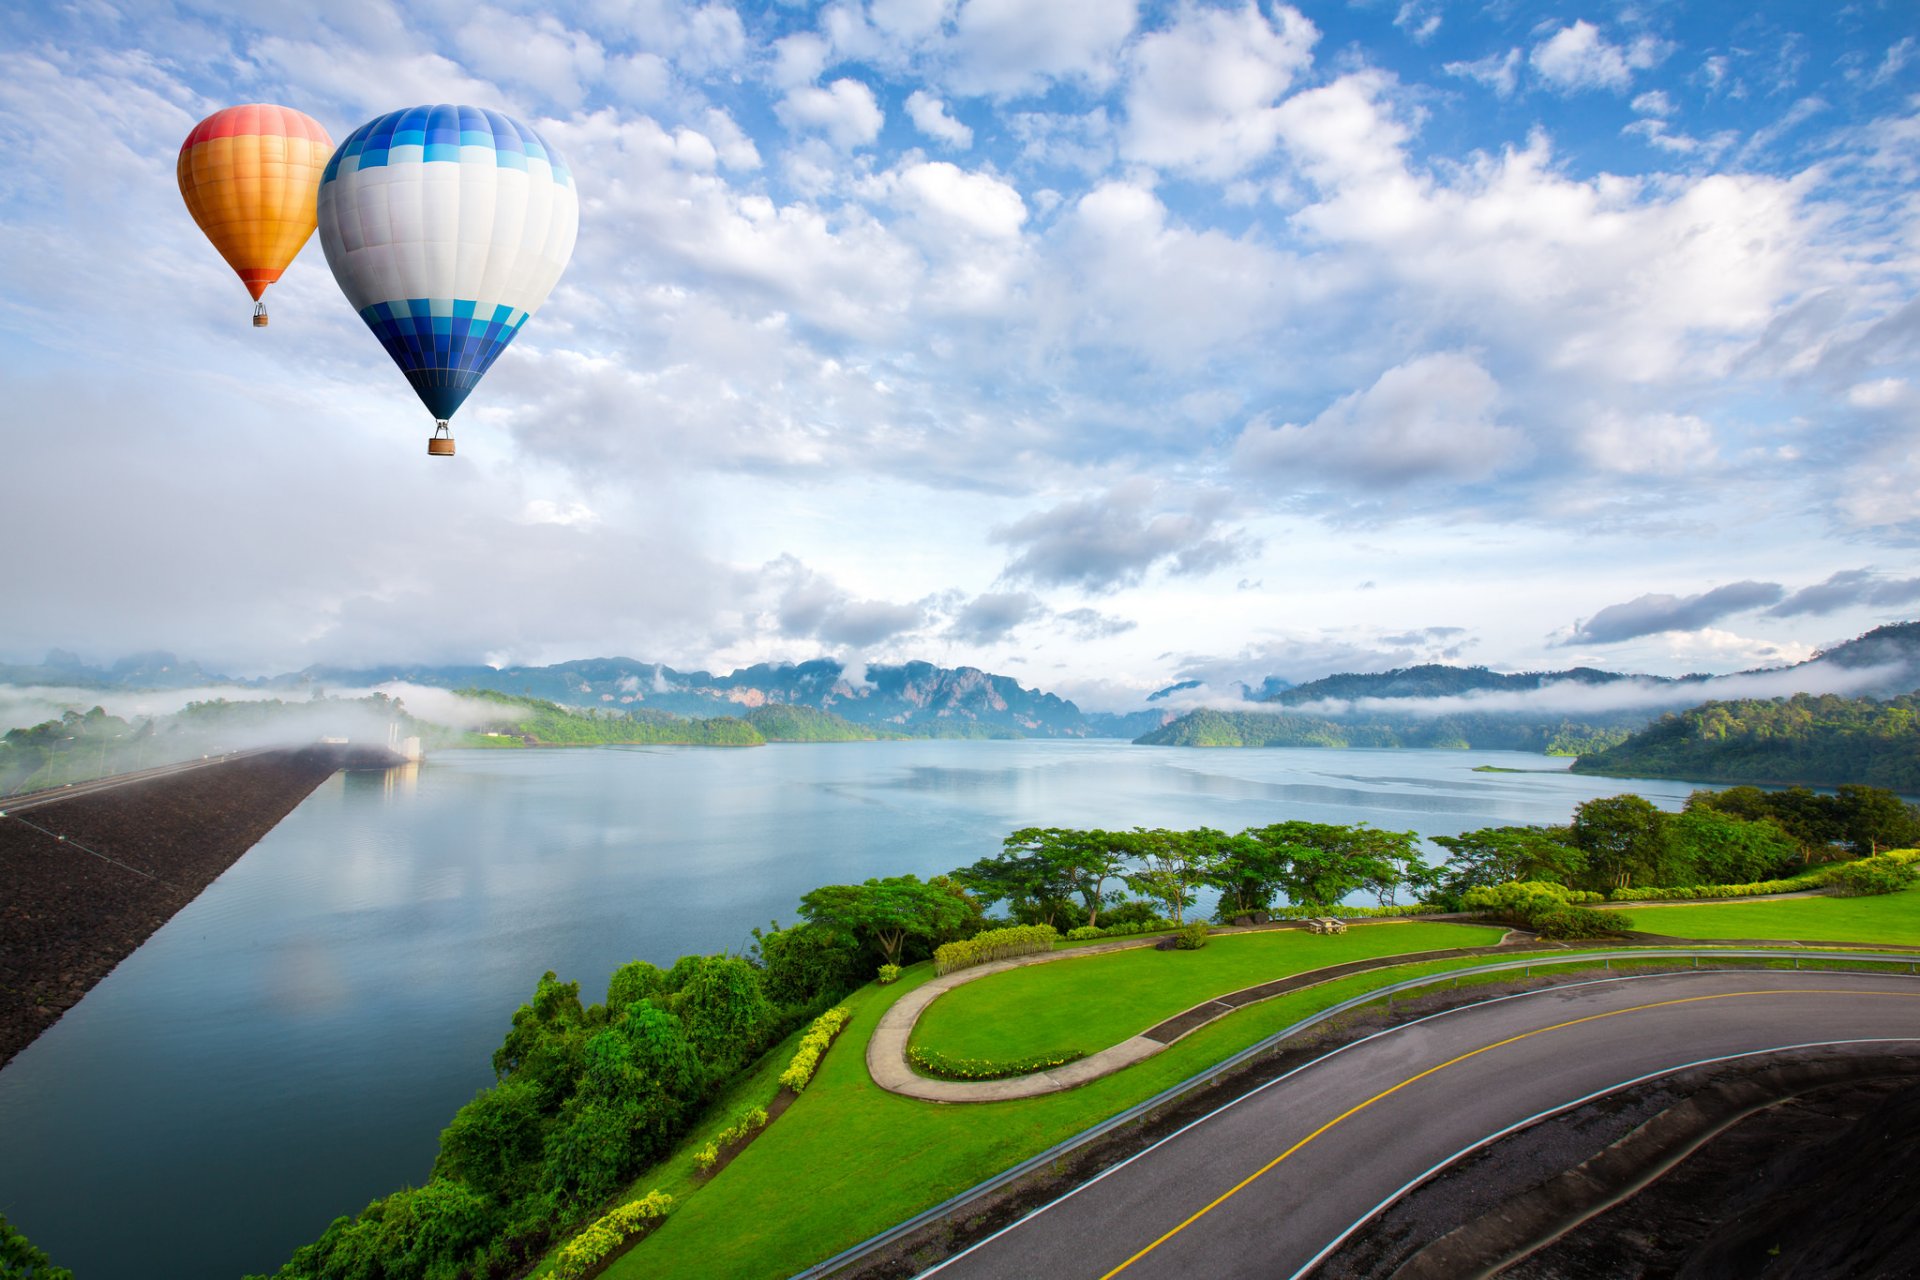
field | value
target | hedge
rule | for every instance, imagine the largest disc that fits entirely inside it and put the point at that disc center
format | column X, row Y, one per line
column 749, row 1120
column 934, row 1063
column 1876, row 875
column 1086, row 931
column 586, row 1250
column 1759, row 888
column 812, row 1045
column 994, row 944
column 1357, row 913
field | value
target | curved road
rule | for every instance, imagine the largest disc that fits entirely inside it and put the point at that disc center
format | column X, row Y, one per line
column 1264, row 1185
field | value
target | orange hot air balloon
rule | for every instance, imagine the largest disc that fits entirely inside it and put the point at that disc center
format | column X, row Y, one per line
column 249, row 175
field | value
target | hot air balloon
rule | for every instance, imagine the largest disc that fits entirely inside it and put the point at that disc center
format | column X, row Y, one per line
column 446, row 227
column 248, row 175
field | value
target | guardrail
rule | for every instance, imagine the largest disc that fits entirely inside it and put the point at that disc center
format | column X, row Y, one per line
column 894, row 1234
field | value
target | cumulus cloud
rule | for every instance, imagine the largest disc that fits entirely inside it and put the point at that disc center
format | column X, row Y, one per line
column 1578, row 57
column 813, row 606
column 993, row 616
column 1008, row 47
column 1433, row 418
column 1846, row 589
column 845, row 112
column 1648, row 443
column 1201, row 94
column 963, row 202
column 1650, row 614
column 1111, row 540
column 930, row 116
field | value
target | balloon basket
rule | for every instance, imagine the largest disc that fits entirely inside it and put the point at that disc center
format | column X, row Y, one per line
column 440, row 443
column 259, row 315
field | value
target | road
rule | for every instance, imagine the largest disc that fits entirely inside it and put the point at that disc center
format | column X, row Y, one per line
column 31, row 800
column 1264, row 1185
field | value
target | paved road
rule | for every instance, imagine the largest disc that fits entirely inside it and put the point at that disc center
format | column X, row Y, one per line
column 1262, row 1186
column 39, row 799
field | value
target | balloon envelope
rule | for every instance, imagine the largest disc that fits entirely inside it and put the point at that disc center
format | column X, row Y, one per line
column 248, row 175
column 446, row 226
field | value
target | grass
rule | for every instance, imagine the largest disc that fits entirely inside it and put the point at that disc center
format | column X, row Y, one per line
column 1091, row 1002
column 1892, row 918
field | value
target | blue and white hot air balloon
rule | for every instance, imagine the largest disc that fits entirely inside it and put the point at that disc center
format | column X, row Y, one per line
column 446, row 227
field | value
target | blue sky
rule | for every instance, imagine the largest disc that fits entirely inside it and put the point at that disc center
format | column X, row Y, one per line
column 1100, row 344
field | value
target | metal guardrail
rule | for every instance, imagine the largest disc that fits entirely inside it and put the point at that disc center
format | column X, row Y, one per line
column 894, row 1234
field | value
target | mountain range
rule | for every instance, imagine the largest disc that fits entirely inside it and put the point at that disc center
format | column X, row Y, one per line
column 923, row 699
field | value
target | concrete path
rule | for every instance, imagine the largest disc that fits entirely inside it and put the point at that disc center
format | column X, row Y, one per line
column 887, row 1047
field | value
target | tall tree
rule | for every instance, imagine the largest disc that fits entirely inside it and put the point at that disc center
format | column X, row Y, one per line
column 1623, row 837
column 887, row 912
column 1172, row 863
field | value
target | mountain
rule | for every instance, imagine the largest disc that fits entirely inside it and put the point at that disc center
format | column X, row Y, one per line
column 914, row 698
column 1433, row 680
column 1549, row 735
column 1805, row 740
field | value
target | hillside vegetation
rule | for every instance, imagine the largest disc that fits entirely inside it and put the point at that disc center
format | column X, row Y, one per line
column 1210, row 728
column 1822, row 740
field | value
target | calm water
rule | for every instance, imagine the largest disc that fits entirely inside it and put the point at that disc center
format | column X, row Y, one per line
column 288, row 1047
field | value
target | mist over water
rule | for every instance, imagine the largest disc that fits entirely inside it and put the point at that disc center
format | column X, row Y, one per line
column 289, row 1046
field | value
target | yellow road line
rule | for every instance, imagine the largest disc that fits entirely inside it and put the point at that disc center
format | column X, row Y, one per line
column 1474, row 1053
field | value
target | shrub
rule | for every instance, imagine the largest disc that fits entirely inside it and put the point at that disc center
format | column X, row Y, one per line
column 1085, row 932
column 814, row 1043
column 934, row 1063
column 1652, row 893
column 1191, row 938
column 1871, row 876
column 586, row 1250
column 994, row 944
column 1579, row 922
column 1359, row 913
column 706, row 1157
column 889, row 973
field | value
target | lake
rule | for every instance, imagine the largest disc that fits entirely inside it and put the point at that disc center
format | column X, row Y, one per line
column 289, row 1046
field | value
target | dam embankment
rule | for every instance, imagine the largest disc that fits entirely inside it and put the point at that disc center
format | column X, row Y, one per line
column 85, row 879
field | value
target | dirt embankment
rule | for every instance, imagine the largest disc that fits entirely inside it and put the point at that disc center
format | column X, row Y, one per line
column 86, row 880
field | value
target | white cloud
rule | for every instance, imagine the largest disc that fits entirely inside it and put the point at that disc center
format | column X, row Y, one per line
column 1011, row 47
column 930, row 117
column 963, row 202
column 1433, row 418
column 1647, row 444
column 1201, row 94
column 1578, row 57
column 1500, row 72
column 845, row 111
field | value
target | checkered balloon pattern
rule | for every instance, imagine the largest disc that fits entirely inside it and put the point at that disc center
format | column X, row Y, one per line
column 447, row 227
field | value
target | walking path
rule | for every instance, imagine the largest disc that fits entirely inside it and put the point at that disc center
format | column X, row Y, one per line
column 887, row 1047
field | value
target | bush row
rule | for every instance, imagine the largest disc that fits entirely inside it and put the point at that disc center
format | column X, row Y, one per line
column 586, row 1250
column 1155, row 925
column 934, row 1063
column 1760, row 888
column 1345, row 912
column 749, row 1120
column 994, row 944
column 814, row 1043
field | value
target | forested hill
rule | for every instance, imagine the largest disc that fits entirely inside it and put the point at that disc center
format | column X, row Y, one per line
column 806, row 724
column 536, row 722
column 1803, row 740
column 1435, row 680
column 1208, row 728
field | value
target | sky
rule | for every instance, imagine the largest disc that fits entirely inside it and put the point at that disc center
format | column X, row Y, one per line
column 1099, row 344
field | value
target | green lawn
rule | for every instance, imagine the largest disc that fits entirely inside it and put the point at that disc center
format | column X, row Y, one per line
column 1091, row 1002
column 1891, row 918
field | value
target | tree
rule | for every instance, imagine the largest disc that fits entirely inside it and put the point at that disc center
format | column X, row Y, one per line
column 19, row 1257
column 1498, row 855
column 807, row 962
column 1385, row 860
column 1248, row 872
column 545, row 1042
column 1622, row 836
column 1022, row 876
column 1320, row 863
column 1711, row 847
column 886, row 912
column 1173, row 862
column 723, row 1009
column 493, row 1143
column 1871, row 819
